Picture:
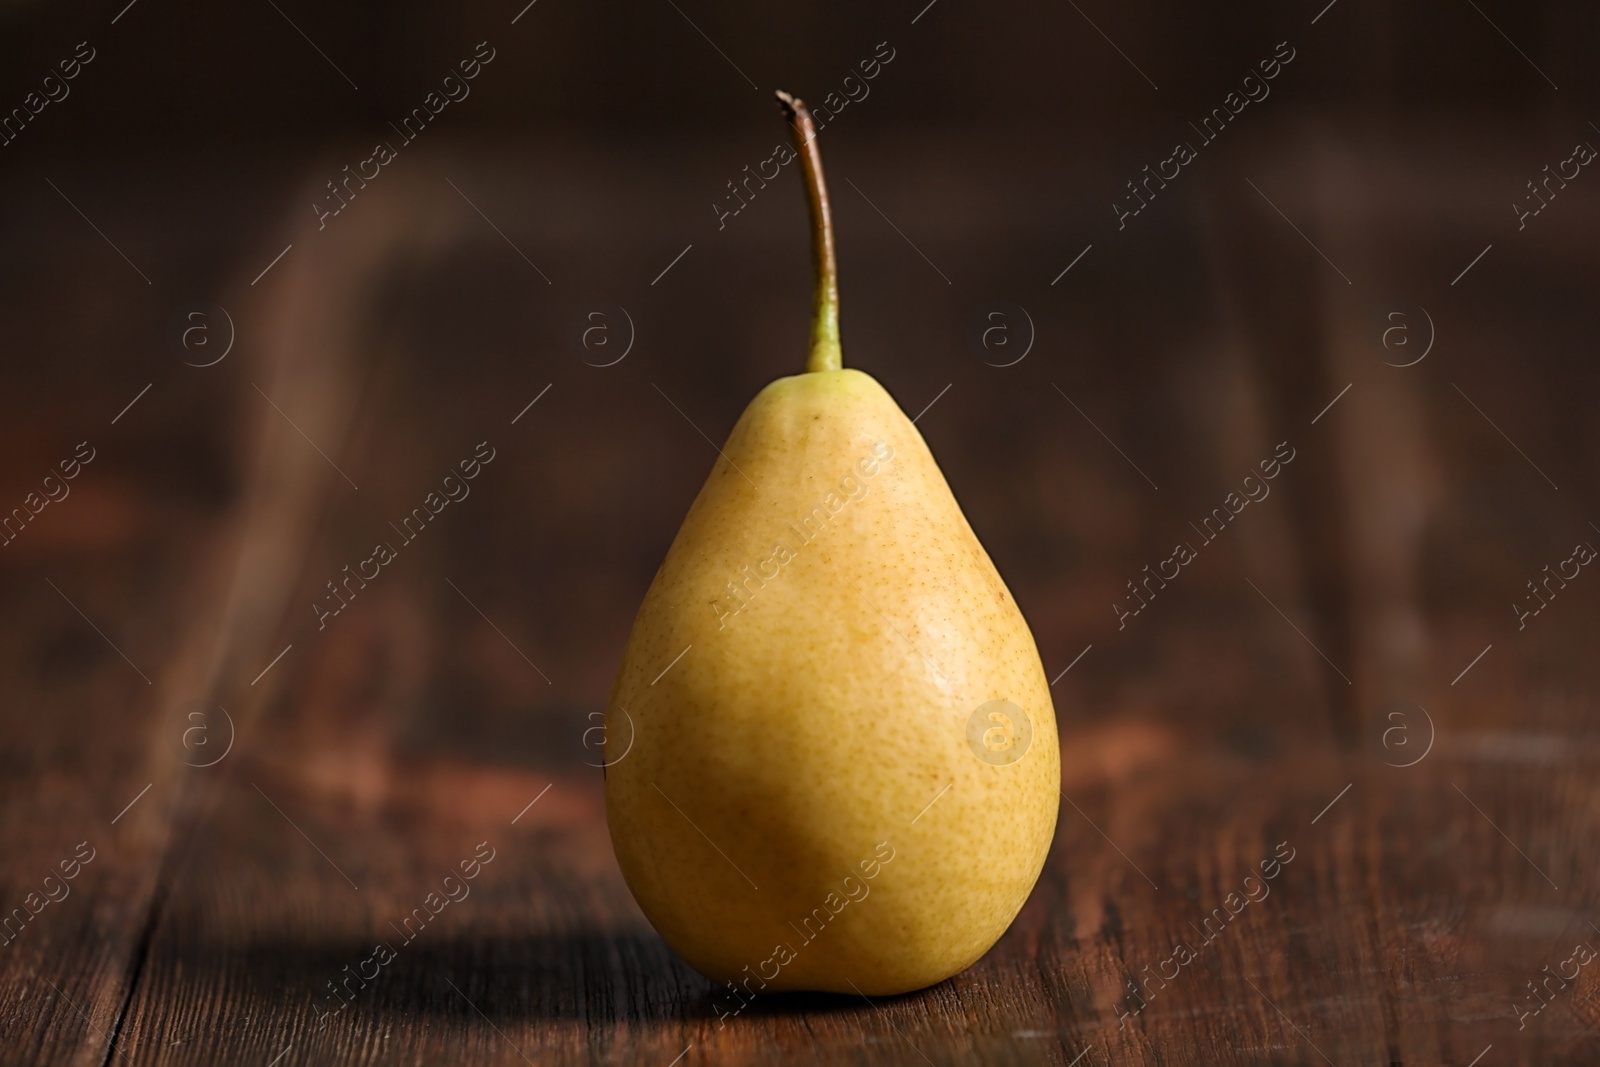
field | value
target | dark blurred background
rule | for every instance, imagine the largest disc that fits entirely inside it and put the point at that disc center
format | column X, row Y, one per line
column 1251, row 302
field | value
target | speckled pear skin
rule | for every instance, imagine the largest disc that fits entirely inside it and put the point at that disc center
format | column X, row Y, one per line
column 801, row 738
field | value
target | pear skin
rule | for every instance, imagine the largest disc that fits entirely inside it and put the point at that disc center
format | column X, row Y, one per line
column 809, row 786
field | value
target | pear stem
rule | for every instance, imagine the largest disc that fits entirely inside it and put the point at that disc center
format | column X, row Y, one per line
column 825, row 351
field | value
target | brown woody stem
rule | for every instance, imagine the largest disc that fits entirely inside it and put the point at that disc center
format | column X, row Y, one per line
column 825, row 351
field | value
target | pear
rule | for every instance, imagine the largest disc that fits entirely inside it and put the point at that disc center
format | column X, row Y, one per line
column 831, row 751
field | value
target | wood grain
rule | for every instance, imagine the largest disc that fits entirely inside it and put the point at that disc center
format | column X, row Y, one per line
column 1266, row 702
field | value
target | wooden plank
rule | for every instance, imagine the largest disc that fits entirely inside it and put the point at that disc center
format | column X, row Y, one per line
column 421, row 722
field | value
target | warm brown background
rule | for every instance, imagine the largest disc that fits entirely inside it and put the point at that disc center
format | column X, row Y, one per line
column 380, row 751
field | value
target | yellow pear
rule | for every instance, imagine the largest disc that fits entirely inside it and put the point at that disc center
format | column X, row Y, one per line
column 831, row 752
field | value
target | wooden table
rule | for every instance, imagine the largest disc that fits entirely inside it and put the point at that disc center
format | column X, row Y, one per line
column 1337, row 678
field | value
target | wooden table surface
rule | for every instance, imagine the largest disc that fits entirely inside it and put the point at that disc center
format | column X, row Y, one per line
column 1339, row 680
